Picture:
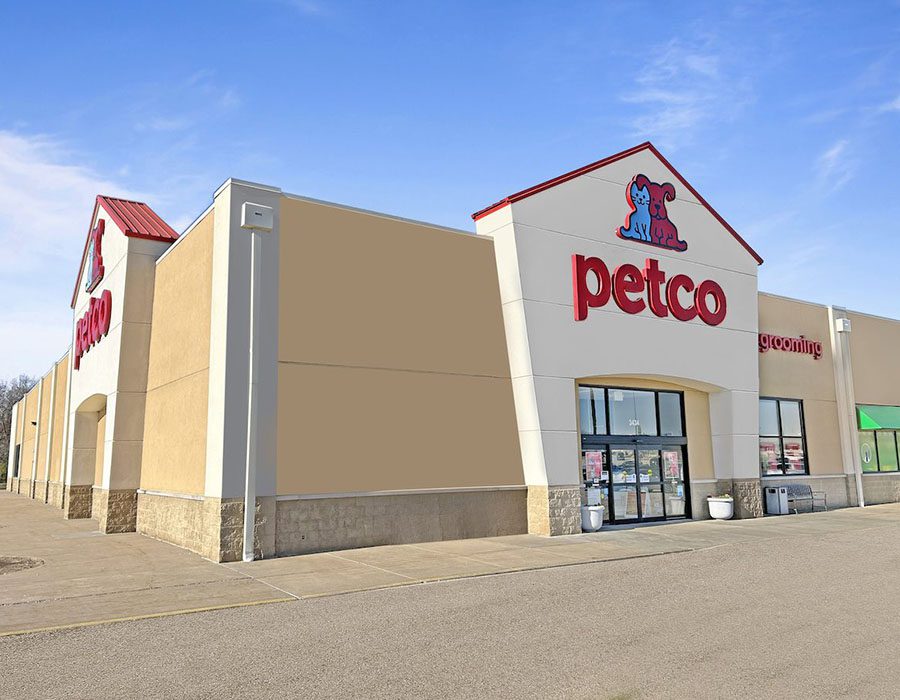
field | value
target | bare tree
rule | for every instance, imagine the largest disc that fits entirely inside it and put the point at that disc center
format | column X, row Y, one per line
column 11, row 391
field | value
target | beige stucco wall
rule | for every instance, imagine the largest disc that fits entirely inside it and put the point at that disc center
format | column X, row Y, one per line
column 174, row 449
column 44, row 424
column 696, row 416
column 59, row 412
column 392, row 364
column 874, row 344
column 31, row 410
column 101, row 445
column 797, row 376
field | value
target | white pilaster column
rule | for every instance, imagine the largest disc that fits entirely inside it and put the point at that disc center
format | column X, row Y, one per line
column 846, row 398
column 50, row 422
column 13, row 439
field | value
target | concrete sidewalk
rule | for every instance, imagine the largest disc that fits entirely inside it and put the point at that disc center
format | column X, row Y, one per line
column 83, row 577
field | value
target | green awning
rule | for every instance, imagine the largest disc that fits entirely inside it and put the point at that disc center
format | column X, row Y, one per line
column 878, row 417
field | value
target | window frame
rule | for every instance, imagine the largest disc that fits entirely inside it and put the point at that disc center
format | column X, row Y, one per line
column 781, row 438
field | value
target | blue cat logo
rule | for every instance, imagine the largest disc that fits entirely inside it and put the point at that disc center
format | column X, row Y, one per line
column 637, row 223
column 648, row 221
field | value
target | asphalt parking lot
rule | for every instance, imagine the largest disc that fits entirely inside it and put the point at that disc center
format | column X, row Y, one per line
column 813, row 613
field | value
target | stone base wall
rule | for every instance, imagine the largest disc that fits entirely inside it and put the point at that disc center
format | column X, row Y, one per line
column 78, row 501
column 554, row 510
column 39, row 491
column 211, row 527
column 24, row 487
column 322, row 524
column 13, row 484
column 115, row 510
column 55, row 494
column 747, row 494
column 881, row 488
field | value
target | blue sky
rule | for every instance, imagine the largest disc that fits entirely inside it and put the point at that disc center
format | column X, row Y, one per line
column 785, row 116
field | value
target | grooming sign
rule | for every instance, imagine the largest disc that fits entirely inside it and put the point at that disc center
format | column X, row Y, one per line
column 801, row 345
column 635, row 290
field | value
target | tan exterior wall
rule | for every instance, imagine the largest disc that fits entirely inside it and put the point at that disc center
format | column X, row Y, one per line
column 797, row 376
column 696, row 410
column 101, row 445
column 874, row 344
column 27, row 459
column 393, row 372
column 44, row 426
column 59, row 418
column 174, row 449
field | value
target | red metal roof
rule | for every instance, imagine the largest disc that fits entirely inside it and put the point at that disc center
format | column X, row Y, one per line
column 606, row 161
column 135, row 219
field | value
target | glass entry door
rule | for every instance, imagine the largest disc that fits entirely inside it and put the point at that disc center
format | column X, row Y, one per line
column 643, row 483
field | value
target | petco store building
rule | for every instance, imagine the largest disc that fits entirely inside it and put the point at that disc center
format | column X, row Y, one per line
column 348, row 378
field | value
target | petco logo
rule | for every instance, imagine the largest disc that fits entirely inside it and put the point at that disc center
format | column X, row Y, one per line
column 627, row 286
column 93, row 326
column 648, row 220
column 95, row 267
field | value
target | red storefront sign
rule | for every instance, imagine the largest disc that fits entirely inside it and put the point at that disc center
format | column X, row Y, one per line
column 801, row 345
column 93, row 326
column 628, row 285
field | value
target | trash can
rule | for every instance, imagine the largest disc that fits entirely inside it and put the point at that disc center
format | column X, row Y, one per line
column 776, row 500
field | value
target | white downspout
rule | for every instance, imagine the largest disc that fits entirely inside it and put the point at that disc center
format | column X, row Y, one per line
column 256, row 218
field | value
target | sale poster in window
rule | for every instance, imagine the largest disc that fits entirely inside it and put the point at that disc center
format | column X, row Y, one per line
column 593, row 463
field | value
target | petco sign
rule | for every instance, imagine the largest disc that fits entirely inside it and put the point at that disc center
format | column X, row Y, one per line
column 635, row 290
column 93, row 326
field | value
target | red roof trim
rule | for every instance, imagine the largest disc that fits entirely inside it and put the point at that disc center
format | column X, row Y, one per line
column 607, row 161
column 135, row 219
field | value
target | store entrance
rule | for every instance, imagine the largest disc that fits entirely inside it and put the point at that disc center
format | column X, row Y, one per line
column 637, row 483
column 634, row 453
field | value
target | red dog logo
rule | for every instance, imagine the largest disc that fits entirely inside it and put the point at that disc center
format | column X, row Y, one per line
column 648, row 220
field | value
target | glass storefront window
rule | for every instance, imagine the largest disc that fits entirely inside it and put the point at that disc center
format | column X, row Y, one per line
column 794, row 457
column 790, row 419
column 768, row 417
column 770, row 456
column 885, row 441
column 782, row 445
column 670, row 422
column 634, row 458
column 868, row 456
column 592, row 410
column 632, row 412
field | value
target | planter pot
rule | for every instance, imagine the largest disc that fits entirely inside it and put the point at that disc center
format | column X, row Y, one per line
column 591, row 518
column 721, row 508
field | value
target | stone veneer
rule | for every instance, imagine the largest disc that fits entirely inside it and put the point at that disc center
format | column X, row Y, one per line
column 211, row 527
column 13, row 484
column 322, row 524
column 78, row 500
column 55, row 492
column 881, row 488
column 115, row 510
column 554, row 510
column 39, row 491
column 24, row 486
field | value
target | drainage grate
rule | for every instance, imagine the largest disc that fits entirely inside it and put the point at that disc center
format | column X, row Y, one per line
column 9, row 565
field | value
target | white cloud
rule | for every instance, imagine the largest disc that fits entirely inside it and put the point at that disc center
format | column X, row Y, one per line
column 836, row 166
column 683, row 89
column 892, row 106
column 46, row 198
